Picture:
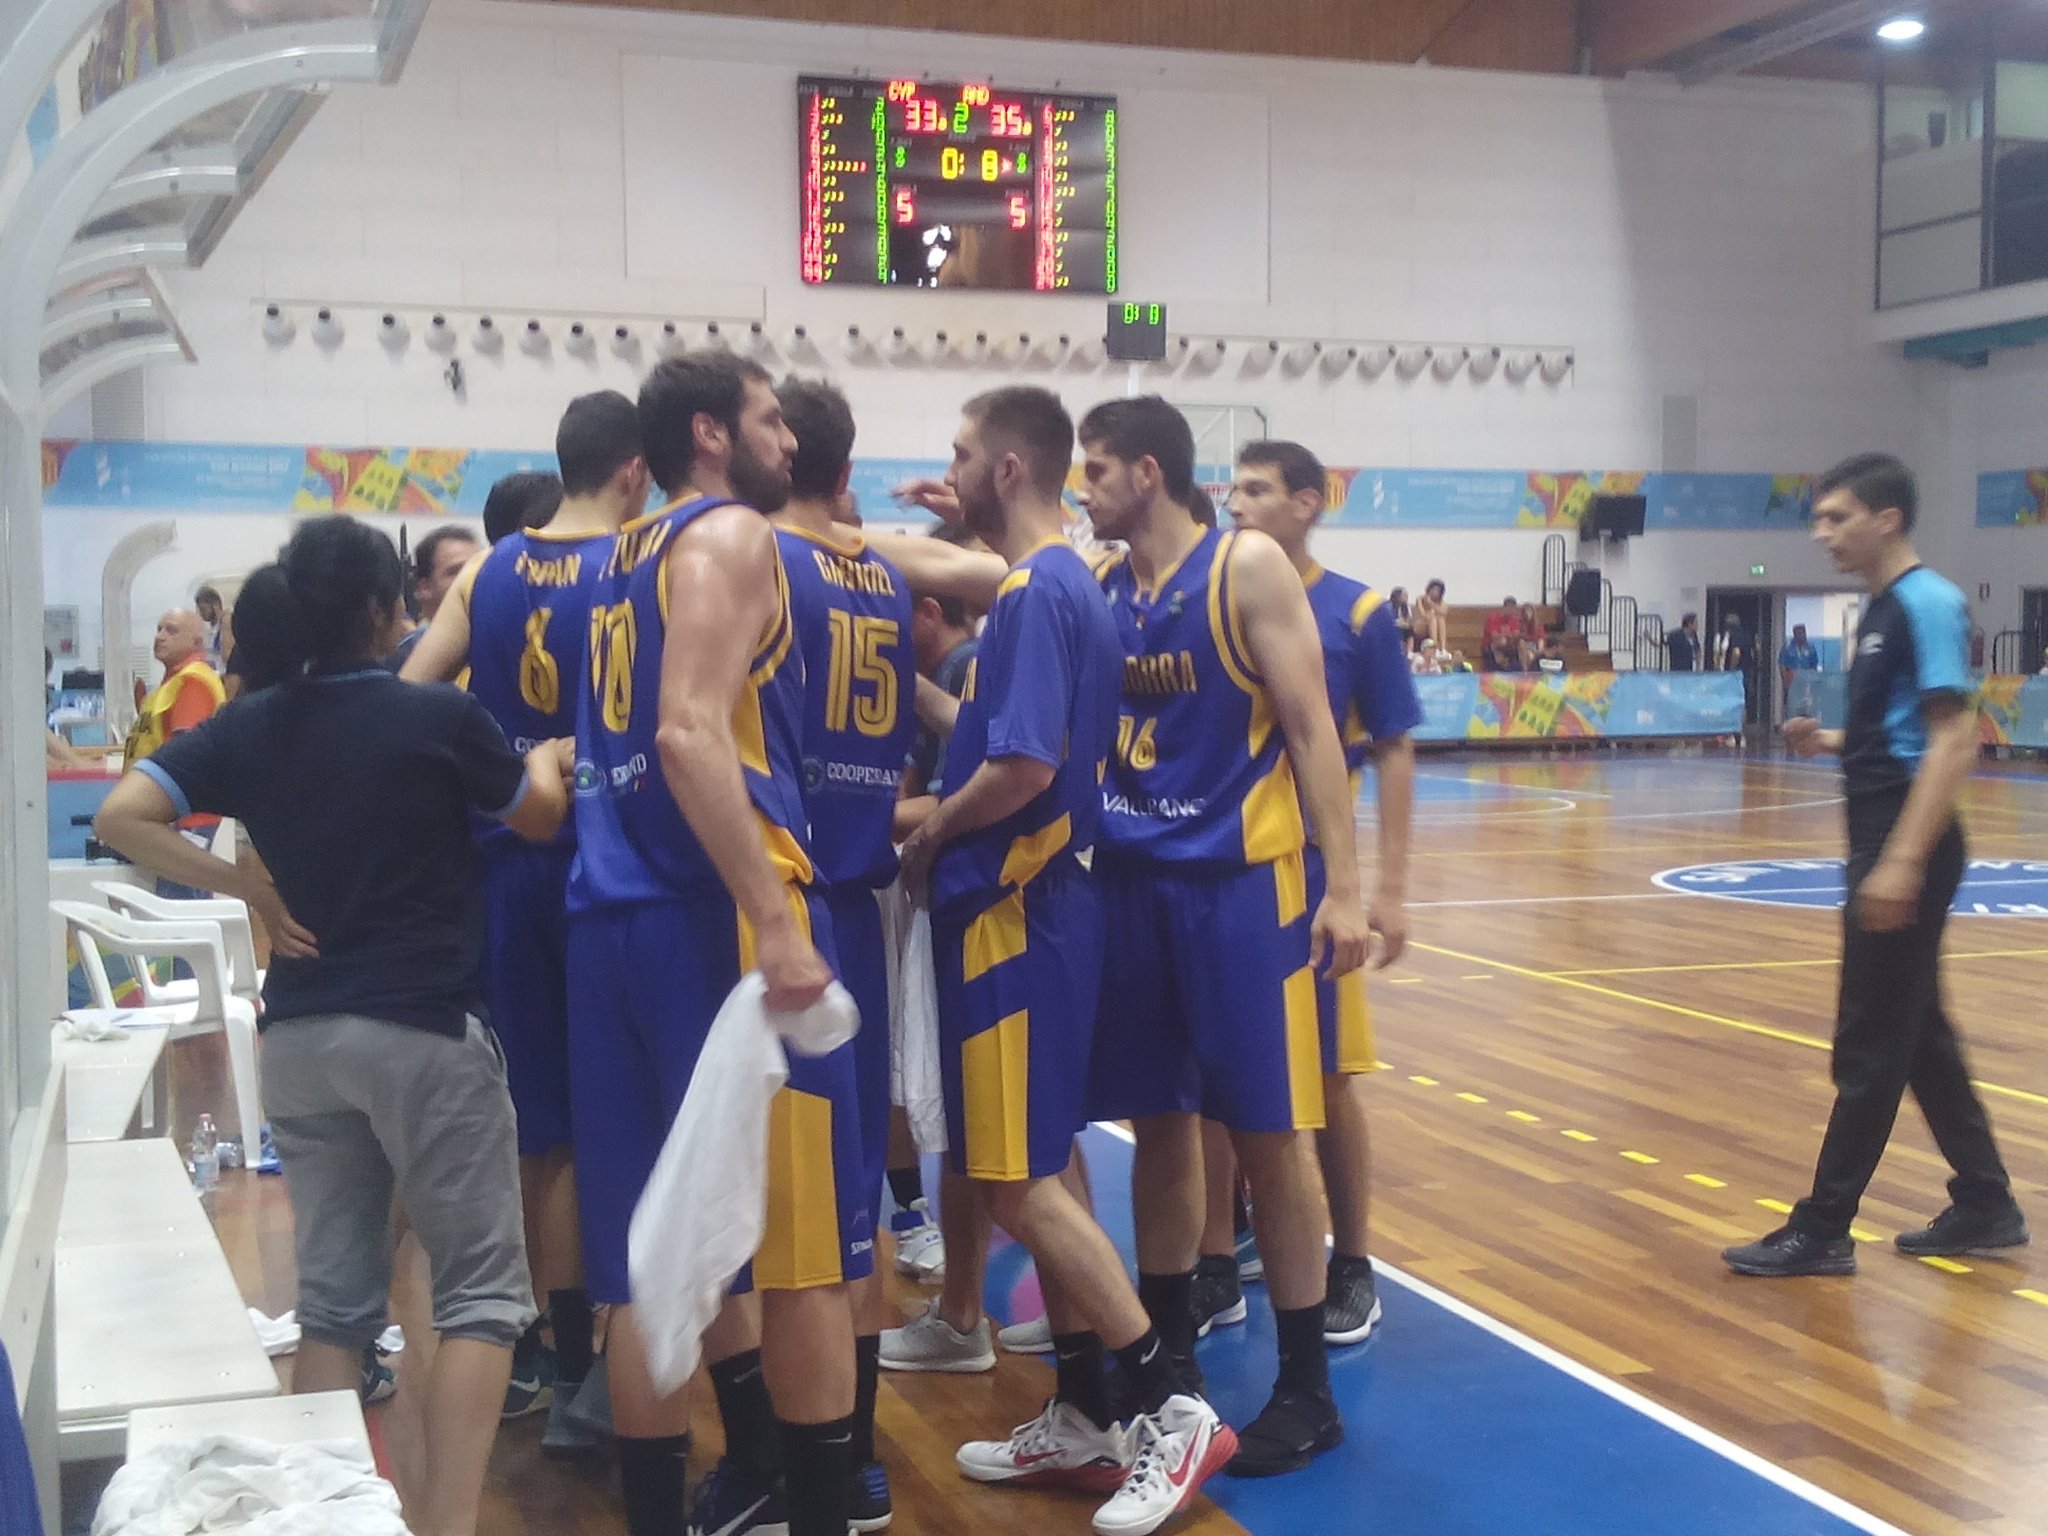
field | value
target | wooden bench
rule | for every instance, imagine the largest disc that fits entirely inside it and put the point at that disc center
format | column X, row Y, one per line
column 28, row 1244
column 148, row 1314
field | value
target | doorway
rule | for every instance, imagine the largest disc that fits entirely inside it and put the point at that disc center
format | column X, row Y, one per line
column 1755, row 613
column 2033, row 628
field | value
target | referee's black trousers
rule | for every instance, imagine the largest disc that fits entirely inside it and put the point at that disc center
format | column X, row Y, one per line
column 1890, row 1035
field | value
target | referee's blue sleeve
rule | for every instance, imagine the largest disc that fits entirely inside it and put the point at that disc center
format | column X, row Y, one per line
column 1940, row 623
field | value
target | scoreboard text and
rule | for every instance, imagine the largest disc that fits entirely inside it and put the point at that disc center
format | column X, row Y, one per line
column 939, row 186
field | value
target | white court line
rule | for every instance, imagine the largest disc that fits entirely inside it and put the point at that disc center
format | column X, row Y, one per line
column 1655, row 1412
column 1546, row 901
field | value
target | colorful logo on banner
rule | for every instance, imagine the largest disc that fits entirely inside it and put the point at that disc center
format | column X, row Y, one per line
column 1990, row 888
column 2013, row 498
column 1575, row 706
column 439, row 482
column 2012, row 708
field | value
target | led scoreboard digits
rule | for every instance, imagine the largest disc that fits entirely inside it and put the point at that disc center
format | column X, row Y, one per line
column 911, row 183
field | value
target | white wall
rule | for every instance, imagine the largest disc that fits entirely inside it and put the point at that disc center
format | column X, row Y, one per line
column 1712, row 243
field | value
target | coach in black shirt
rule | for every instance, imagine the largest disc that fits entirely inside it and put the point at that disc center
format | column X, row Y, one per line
column 1908, row 746
column 357, row 790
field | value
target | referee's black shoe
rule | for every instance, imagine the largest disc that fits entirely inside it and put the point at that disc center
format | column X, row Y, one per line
column 1956, row 1232
column 1789, row 1251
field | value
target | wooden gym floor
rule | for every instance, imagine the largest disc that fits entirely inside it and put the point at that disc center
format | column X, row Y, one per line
column 1594, row 1083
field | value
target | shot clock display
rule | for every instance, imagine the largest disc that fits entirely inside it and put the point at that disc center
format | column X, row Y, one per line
column 911, row 183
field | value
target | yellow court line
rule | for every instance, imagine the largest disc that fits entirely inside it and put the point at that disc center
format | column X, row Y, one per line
column 1640, row 1157
column 1579, row 1135
column 2040, row 1296
column 1690, row 1013
column 1473, row 1098
column 1782, row 965
column 1525, row 1117
column 1427, row 1082
column 1946, row 1266
column 1776, row 1205
column 1706, row 1182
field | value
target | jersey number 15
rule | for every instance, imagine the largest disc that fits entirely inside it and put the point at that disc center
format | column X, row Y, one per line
column 861, row 650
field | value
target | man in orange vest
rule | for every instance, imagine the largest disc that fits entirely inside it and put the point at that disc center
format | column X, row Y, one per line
column 189, row 694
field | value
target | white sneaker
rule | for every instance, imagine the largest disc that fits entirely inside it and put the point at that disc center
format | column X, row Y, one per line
column 1032, row 1338
column 1175, row 1451
column 1060, row 1448
column 920, row 1251
column 929, row 1343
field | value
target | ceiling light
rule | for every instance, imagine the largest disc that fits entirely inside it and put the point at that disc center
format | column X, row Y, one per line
column 277, row 325
column 1902, row 29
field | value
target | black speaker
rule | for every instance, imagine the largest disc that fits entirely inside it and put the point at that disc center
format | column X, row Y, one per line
column 1582, row 594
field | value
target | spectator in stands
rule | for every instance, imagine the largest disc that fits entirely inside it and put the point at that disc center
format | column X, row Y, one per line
column 1504, row 654
column 1684, row 644
column 1532, row 635
column 1397, row 604
column 1427, row 661
column 358, row 790
column 1503, row 624
column 1428, row 620
column 1734, row 651
column 1550, row 653
column 1796, row 655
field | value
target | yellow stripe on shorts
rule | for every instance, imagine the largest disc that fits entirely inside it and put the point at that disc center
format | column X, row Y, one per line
column 995, row 1081
column 1355, row 1052
column 1304, row 1051
column 800, row 1249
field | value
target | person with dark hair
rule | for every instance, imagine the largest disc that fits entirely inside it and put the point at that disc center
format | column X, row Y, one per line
column 1213, row 945
column 1200, row 507
column 438, row 561
column 1684, row 644
column 1906, row 750
column 518, row 618
column 378, row 1073
column 1427, row 621
column 213, row 613
column 852, row 615
column 1279, row 491
column 694, row 867
column 526, row 498
column 1018, row 941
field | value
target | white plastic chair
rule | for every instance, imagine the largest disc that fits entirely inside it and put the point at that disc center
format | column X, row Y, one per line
column 99, row 931
column 230, row 916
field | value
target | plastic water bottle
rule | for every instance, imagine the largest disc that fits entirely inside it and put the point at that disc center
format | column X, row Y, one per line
column 205, row 1156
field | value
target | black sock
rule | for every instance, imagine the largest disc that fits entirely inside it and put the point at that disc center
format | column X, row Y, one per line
column 575, row 1325
column 528, row 1350
column 906, row 1186
column 819, row 1479
column 867, row 1378
column 1304, row 1358
column 1077, row 1357
column 1148, row 1367
column 1170, row 1303
column 751, row 1443
column 651, row 1477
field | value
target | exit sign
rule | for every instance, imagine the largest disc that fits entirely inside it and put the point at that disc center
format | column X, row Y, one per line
column 1137, row 332
column 1756, row 570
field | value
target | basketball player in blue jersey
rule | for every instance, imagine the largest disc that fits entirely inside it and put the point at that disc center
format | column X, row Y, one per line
column 852, row 611
column 517, row 620
column 1279, row 490
column 1208, row 997
column 693, row 867
column 1017, row 939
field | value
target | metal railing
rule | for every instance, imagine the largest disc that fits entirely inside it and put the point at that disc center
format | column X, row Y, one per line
column 1621, row 629
column 1556, row 568
column 1650, row 643
column 2009, row 651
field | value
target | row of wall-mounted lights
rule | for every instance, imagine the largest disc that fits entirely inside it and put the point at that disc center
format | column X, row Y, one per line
column 538, row 337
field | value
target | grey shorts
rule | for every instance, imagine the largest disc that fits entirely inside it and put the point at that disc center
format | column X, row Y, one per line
column 358, row 1108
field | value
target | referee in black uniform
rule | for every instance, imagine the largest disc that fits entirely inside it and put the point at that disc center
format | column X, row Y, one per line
column 1910, row 742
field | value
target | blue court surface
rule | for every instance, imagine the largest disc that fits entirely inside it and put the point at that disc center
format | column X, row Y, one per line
column 1990, row 888
column 1457, row 1426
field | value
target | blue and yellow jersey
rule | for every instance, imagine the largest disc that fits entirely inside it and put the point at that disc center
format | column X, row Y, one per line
column 1200, row 776
column 529, row 620
column 1042, row 685
column 852, row 613
column 633, row 844
column 1372, row 692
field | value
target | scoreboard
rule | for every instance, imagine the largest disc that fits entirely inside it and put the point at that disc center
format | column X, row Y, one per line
column 914, row 184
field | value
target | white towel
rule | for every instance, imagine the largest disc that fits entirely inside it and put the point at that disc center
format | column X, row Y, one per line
column 232, row 1482
column 705, row 1207
column 914, row 1080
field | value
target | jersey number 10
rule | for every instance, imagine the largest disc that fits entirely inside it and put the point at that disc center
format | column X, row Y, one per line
column 614, row 639
column 860, row 652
